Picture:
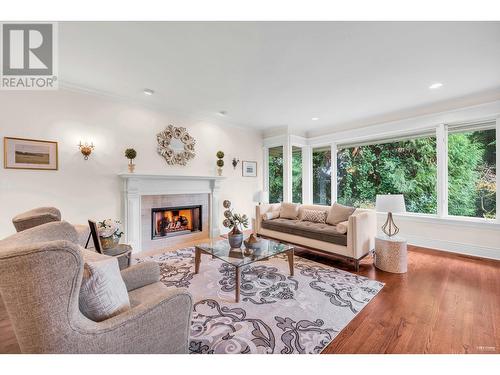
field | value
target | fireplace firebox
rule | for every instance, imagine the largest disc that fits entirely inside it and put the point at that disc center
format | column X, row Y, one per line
column 175, row 221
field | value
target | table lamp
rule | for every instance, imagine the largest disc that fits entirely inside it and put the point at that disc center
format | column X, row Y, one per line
column 390, row 203
column 263, row 197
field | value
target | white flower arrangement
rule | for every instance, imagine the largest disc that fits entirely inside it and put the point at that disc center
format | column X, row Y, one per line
column 108, row 228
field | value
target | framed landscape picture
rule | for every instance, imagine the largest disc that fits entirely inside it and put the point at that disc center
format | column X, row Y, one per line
column 20, row 153
column 249, row 168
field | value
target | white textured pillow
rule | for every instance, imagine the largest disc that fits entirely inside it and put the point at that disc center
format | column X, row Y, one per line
column 103, row 293
column 289, row 211
column 270, row 215
column 315, row 216
column 342, row 227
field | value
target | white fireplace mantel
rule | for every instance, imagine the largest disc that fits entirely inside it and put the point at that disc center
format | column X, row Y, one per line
column 137, row 185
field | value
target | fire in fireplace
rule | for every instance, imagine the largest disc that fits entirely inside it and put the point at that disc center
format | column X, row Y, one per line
column 175, row 221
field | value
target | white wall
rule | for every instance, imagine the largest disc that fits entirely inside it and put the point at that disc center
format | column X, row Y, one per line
column 84, row 189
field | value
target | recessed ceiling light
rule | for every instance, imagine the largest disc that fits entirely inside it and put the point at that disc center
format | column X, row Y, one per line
column 222, row 113
column 315, row 118
column 148, row 92
column 436, row 85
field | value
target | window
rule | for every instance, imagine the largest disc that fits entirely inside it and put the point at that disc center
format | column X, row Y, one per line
column 296, row 174
column 322, row 175
column 406, row 167
column 275, row 174
column 472, row 171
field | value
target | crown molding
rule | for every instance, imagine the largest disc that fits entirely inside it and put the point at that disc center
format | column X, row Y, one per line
column 194, row 116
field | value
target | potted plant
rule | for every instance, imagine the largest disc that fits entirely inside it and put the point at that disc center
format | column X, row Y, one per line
column 220, row 162
column 131, row 154
column 109, row 233
column 236, row 223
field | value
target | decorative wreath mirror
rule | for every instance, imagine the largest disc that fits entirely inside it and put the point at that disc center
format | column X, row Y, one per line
column 176, row 145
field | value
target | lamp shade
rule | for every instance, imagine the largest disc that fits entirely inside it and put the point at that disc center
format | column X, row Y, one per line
column 263, row 196
column 390, row 203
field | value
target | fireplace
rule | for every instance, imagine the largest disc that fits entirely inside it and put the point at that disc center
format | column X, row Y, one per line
column 175, row 221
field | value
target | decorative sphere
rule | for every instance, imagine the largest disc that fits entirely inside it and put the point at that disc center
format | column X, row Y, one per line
column 226, row 204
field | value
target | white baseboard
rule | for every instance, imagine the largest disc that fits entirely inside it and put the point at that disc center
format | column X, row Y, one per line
column 455, row 247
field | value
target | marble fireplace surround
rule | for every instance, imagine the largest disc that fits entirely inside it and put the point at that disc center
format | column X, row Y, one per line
column 150, row 189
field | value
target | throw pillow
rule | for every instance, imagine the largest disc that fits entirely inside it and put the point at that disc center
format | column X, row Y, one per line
column 289, row 211
column 270, row 215
column 316, row 216
column 103, row 293
column 339, row 213
column 342, row 227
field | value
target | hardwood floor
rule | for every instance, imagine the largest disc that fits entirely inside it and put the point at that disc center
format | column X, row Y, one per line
column 446, row 303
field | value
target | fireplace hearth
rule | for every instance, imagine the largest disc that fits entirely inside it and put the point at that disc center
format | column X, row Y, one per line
column 175, row 221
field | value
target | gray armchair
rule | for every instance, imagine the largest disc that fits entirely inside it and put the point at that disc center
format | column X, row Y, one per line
column 42, row 215
column 40, row 276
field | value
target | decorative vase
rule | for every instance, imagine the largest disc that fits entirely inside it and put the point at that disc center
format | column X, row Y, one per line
column 235, row 240
column 219, row 171
column 131, row 168
column 109, row 242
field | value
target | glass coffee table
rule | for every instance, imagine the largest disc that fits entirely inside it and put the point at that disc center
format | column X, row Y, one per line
column 242, row 257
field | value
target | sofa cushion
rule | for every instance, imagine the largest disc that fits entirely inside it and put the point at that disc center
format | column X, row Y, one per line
column 271, row 215
column 342, row 226
column 316, row 231
column 339, row 213
column 315, row 216
column 289, row 211
column 35, row 217
column 103, row 293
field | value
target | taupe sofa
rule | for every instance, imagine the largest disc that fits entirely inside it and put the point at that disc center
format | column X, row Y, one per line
column 41, row 271
column 319, row 238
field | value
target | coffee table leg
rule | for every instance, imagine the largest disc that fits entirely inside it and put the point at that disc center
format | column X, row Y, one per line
column 238, row 276
column 290, row 260
column 197, row 259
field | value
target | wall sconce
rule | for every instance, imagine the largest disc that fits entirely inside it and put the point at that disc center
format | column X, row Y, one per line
column 86, row 149
column 235, row 162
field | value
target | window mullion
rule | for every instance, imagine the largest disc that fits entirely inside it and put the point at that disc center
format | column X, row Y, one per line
column 442, row 170
column 265, row 172
column 307, row 175
column 334, row 172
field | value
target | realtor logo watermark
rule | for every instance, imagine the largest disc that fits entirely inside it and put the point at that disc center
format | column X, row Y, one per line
column 29, row 56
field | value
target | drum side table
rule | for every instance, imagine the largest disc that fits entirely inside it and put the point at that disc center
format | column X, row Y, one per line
column 391, row 254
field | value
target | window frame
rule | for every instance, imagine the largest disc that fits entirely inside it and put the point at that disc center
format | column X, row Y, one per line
column 441, row 131
column 381, row 140
column 334, row 140
column 285, row 166
column 333, row 176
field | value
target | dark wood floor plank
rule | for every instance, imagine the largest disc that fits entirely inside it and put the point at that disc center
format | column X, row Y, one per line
column 446, row 303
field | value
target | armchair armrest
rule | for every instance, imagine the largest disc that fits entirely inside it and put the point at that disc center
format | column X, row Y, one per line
column 361, row 232
column 140, row 275
column 262, row 209
column 159, row 324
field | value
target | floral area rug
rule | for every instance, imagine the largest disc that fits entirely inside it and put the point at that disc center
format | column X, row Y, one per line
column 277, row 313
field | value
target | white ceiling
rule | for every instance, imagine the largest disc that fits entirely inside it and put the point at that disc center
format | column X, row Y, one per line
column 274, row 74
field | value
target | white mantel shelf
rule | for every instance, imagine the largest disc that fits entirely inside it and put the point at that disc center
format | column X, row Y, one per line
column 168, row 177
column 137, row 185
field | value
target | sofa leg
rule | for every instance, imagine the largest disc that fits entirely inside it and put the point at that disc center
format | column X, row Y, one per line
column 356, row 265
